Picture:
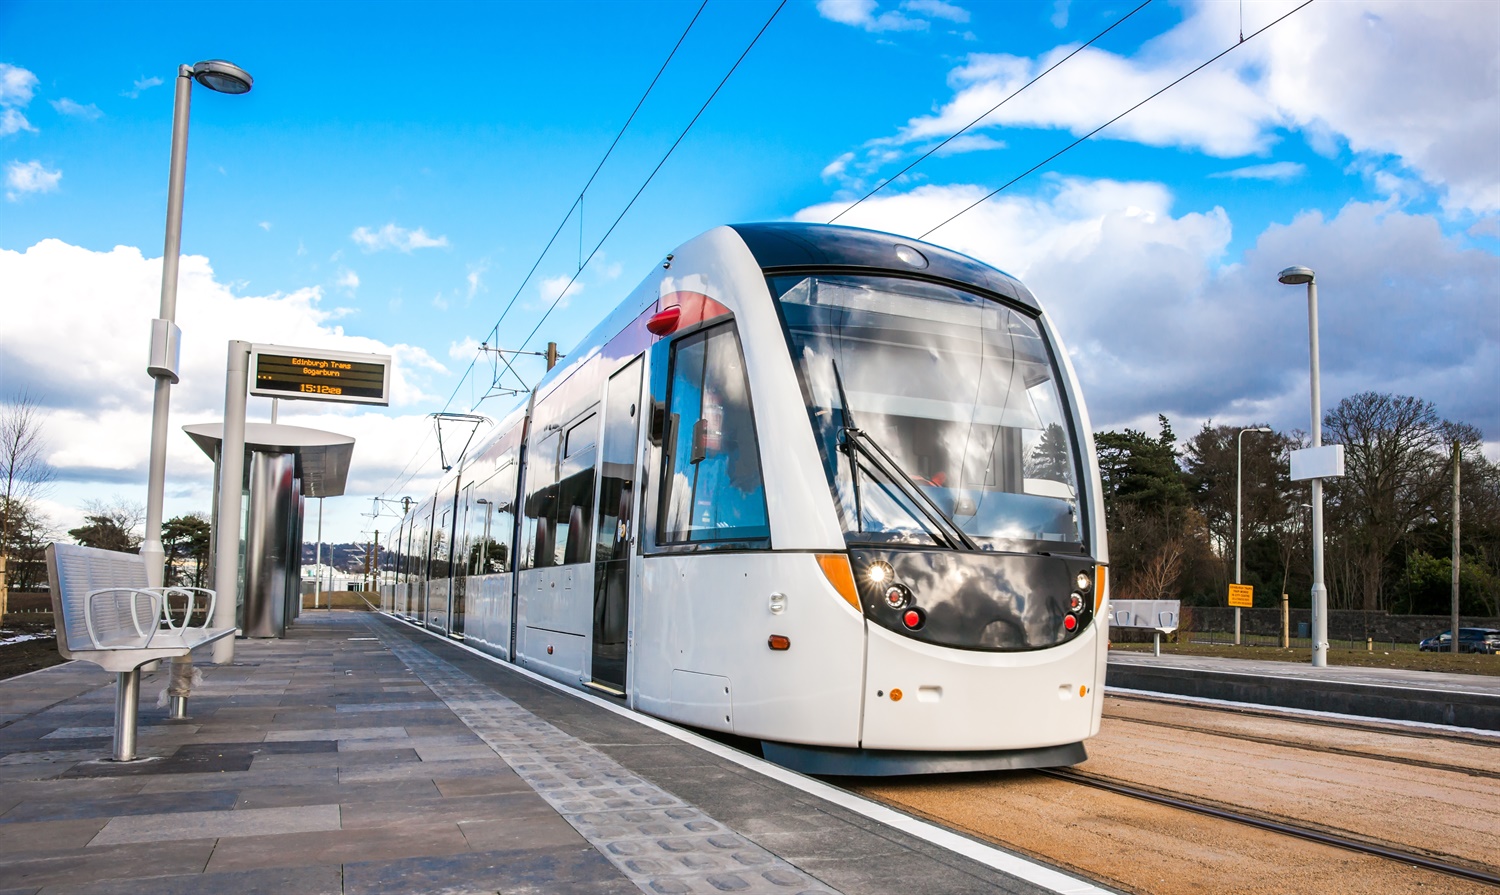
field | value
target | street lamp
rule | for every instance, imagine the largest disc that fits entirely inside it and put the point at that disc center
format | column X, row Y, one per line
column 1239, row 501
column 166, row 338
column 224, row 77
column 1296, row 276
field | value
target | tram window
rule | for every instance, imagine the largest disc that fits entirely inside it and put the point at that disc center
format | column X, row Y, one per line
column 492, row 521
column 438, row 565
column 541, row 496
column 573, row 509
column 712, row 487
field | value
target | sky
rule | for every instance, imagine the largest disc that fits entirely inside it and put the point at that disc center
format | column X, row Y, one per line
column 394, row 176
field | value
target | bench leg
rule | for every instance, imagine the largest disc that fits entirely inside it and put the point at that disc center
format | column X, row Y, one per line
column 127, row 707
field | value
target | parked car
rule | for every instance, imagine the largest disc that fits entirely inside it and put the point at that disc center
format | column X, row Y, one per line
column 1470, row 640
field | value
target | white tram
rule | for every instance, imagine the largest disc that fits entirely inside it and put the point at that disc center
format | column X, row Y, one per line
column 821, row 487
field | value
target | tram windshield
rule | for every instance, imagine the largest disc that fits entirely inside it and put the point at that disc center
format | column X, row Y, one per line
column 934, row 408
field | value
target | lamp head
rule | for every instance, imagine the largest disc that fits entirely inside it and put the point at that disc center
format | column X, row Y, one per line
column 1296, row 276
column 1263, row 428
column 224, row 77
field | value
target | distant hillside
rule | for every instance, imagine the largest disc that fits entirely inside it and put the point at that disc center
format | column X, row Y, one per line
column 344, row 557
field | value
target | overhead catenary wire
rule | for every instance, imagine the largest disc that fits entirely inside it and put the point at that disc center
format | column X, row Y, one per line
column 924, row 156
column 652, row 175
column 495, row 330
column 1044, row 162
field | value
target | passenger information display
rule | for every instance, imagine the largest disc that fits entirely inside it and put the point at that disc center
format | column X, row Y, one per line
column 310, row 374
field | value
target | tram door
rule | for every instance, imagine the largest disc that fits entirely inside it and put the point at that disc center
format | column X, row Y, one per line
column 616, row 515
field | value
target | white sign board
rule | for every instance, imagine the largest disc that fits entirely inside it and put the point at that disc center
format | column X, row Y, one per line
column 313, row 374
column 1326, row 462
column 1153, row 615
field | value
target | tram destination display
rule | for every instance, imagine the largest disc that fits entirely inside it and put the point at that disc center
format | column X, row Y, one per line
column 310, row 374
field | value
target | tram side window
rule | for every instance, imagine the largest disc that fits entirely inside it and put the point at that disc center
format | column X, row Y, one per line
column 541, row 495
column 712, row 486
column 573, row 510
column 492, row 522
column 437, row 566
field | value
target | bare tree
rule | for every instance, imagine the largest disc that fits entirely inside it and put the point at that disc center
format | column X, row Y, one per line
column 111, row 525
column 24, row 473
column 1396, row 450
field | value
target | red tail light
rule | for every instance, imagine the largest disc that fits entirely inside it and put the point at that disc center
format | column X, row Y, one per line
column 664, row 322
column 912, row 619
column 1070, row 622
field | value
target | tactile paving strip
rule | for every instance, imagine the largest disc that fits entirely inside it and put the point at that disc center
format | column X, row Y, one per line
column 664, row 845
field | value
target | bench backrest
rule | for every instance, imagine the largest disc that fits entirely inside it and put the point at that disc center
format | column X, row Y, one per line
column 74, row 571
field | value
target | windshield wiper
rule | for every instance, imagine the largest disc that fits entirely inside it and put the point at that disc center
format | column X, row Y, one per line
column 856, row 439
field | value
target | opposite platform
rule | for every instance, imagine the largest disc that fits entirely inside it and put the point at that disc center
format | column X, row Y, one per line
column 362, row 756
column 1462, row 700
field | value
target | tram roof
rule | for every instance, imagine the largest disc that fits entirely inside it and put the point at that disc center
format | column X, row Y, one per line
column 791, row 245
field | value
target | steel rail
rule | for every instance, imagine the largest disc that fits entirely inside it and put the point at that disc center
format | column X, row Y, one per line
column 1286, row 829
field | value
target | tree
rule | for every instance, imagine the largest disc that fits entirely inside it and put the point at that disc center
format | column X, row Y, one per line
column 185, row 539
column 24, row 473
column 26, row 538
column 111, row 526
column 1396, row 451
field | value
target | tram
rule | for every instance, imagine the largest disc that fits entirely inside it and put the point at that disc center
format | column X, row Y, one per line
column 824, row 488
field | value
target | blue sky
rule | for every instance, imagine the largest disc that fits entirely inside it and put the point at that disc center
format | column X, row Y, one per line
column 394, row 174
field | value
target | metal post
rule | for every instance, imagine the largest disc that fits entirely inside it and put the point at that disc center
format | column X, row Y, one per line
column 1286, row 622
column 1239, row 500
column 127, row 706
column 1319, row 589
column 1453, row 643
column 318, row 558
column 275, row 403
column 231, row 493
column 1156, row 643
column 151, row 547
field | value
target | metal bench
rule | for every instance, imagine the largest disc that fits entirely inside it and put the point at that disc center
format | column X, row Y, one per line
column 1158, row 616
column 106, row 614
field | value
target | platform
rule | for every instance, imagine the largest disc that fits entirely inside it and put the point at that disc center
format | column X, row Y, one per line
column 362, row 756
column 1462, row 700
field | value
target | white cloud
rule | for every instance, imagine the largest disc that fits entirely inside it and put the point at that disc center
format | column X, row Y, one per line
column 836, row 167
column 861, row 14
column 1279, row 171
column 550, row 288
column 348, row 280
column 265, row 225
column 13, row 122
column 67, row 106
column 393, row 237
column 99, row 404
column 29, row 177
column 463, row 350
column 141, row 85
column 1059, row 17
column 970, row 143
column 475, row 279
column 937, row 9
column 440, row 302
column 1157, row 321
column 17, row 85
column 1416, row 84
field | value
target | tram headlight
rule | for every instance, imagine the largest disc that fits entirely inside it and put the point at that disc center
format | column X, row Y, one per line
column 1083, row 581
column 897, row 596
column 880, row 572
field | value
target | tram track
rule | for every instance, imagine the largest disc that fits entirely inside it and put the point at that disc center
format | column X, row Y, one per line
column 1277, row 826
column 1323, row 748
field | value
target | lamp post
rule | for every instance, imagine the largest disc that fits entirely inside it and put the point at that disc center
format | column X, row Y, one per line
column 1239, row 501
column 1296, row 276
column 165, row 336
column 166, row 339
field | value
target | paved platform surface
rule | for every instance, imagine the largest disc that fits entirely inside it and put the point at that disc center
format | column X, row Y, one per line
column 359, row 756
column 1468, row 700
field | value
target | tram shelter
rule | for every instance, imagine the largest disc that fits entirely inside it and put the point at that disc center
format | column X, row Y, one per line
column 284, row 466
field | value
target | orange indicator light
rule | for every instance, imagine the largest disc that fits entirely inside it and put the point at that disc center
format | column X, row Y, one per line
column 836, row 569
column 895, row 695
column 779, row 642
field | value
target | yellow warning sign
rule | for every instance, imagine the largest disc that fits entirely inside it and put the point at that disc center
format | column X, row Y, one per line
column 1242, row 595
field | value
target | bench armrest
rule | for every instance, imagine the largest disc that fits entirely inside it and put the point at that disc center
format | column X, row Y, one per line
column 145, row 623
column 192, row 595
